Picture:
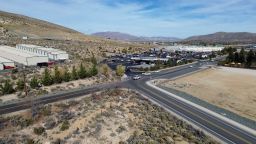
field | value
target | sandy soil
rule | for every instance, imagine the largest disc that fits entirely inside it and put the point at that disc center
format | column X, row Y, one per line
column 9, row 97
column 230, row 88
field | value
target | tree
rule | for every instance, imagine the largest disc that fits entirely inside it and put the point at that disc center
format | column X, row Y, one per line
column 236, row 57
column 74, row 75
column 249, row 58
column 93, row 71
column 47, row 78
column 66, row 75
column 242, row 56
column 120, row 70
column 82, row 72
column 230, row 57
column 124, row 51
column 57, row 75
column 34, row 83
column 93, row 60
column 170, row 63
column 20, row 84
column 7, row 87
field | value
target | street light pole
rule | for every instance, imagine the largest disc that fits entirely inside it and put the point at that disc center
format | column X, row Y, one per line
column 25, row 82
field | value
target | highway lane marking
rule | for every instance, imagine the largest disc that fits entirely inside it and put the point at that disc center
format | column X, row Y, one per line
column 197, row 116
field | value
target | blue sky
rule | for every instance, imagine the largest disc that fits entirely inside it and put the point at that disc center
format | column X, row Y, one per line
column 178, row 18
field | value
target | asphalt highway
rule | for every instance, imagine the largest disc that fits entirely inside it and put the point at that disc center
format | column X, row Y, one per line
column 215, row 126
column 224, row 131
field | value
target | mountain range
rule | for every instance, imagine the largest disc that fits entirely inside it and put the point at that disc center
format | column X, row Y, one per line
column 128, row 37
column 225, row 37
column 218, row 37
column 15, row 25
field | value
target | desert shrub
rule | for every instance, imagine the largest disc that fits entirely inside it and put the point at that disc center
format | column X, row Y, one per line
column 31, row 141
column 65, row 125
column 120, row 70
column 50, row 123
column 45, row 111
column 57, row 141
column 112, row 134
column 120, row 129
column 7, row 87
column 20, row 121
column 39, row 130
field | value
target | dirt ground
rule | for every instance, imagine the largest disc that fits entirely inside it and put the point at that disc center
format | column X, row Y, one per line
column 229, row 88
column 110, row 117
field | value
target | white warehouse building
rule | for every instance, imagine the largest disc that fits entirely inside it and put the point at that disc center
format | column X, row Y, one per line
column 194, row 48
column 51, row 53
column 6, row 64
column 22, row 57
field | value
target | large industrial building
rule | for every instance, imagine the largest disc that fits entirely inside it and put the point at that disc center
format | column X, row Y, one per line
column 22, row 57
column 194, row 48
column 51, row 53
column 6, row 64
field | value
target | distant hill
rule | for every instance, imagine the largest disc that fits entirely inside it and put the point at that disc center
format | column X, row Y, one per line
column 224, row 37
column 128, row 37
column 15, row 25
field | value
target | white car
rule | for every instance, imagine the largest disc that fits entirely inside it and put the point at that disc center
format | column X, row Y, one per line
column 146, row 73
column 191, row 66
column 136, row 77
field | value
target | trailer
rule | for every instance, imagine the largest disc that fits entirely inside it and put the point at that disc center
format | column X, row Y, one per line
column 1, row 66
column 6, row 63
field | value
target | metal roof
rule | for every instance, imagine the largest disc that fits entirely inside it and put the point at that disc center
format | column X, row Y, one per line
column 4, row 60
column 50, row 50
column 15, row 51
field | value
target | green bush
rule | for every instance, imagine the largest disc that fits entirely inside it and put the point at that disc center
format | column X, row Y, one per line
column 47, row 79
column 7, row 87
column 65, row 125
column 120, row 70
column 20, row 84
column 34, row 83
column 39, row 130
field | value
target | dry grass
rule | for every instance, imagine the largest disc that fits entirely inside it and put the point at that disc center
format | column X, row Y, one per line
column 229, row 88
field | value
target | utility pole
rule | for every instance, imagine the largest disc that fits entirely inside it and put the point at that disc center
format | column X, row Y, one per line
column 25, row 83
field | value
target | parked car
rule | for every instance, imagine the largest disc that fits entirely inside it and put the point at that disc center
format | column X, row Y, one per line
column 136, row 77
column 146, row 73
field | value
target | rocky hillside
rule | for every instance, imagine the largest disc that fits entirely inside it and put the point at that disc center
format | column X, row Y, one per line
column 128, row 37
column 224, row 37
column 14, row 25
